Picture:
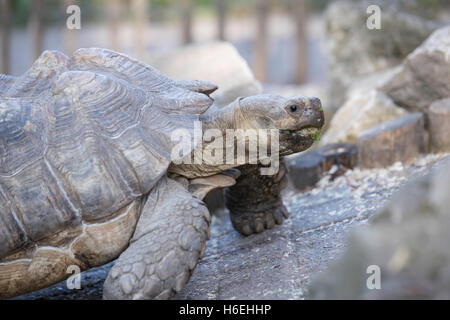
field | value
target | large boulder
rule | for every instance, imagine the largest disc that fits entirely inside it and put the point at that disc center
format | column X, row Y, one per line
column 423, row 78
column 405, row 247
column 218, row 62
column 364, row 109
column 355, row 51
column 425, row 74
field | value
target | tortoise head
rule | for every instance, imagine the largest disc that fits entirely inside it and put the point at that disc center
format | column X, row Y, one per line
column 298, row 119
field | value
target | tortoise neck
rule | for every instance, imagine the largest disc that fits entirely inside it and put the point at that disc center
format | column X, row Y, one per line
column 222, row 118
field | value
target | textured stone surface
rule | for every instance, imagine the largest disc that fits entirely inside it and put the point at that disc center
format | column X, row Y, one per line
column 425, row 74
column 364, row 109
column 355, row 51
column 306, row 169
column 280, row 262
column 400, row 139
column 218, row 62
column 408, row 241
column 439, row 125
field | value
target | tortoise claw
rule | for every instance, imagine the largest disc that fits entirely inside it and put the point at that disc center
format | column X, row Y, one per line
column 248, row 223
column 284, row 211
column 278, row 216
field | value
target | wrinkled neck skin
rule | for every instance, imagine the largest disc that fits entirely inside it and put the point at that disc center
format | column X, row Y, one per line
column 227, row 117
column 223, row 118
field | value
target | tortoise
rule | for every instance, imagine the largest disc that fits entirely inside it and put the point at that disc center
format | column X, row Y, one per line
column 88, row 173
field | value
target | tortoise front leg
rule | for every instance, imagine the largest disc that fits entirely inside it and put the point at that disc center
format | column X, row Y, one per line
column 255, row 202
column 169, row 240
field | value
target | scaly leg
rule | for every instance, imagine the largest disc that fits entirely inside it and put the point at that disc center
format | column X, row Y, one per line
column 169, row 240
column 254, row 201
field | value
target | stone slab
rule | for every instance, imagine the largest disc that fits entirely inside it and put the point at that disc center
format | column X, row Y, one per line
column 306, row 169
column 400, row 139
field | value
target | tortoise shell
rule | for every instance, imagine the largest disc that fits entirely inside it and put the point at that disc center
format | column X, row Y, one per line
column 82, row 139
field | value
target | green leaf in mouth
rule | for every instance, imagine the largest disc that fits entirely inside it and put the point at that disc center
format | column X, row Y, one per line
column 316, row 137
column 287, row 131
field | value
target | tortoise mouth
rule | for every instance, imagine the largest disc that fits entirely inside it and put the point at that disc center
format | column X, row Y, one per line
column 305, row 132
column 293, row 141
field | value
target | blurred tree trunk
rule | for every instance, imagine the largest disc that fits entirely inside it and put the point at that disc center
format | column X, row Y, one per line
column 35, row 28
column 262, row 11
column 186, row 18
column 69, row 35
column 300, row 16
column 115, row 9
column 140, row 17
column 221, row 15
column 5, row 23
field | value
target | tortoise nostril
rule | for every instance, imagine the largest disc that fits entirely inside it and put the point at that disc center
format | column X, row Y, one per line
column 315, row 102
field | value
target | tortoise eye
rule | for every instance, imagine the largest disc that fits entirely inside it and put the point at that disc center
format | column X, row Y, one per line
column 293, row 108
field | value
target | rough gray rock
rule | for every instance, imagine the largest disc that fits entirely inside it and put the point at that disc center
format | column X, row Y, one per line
column 400, row 139
column 364, row 109
column 422, row 79
column 424, row 76
column 355, row 51
column 408, row 241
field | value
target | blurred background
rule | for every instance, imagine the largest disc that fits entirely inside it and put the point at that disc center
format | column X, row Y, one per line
column 322, row 44
column 270, row 35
